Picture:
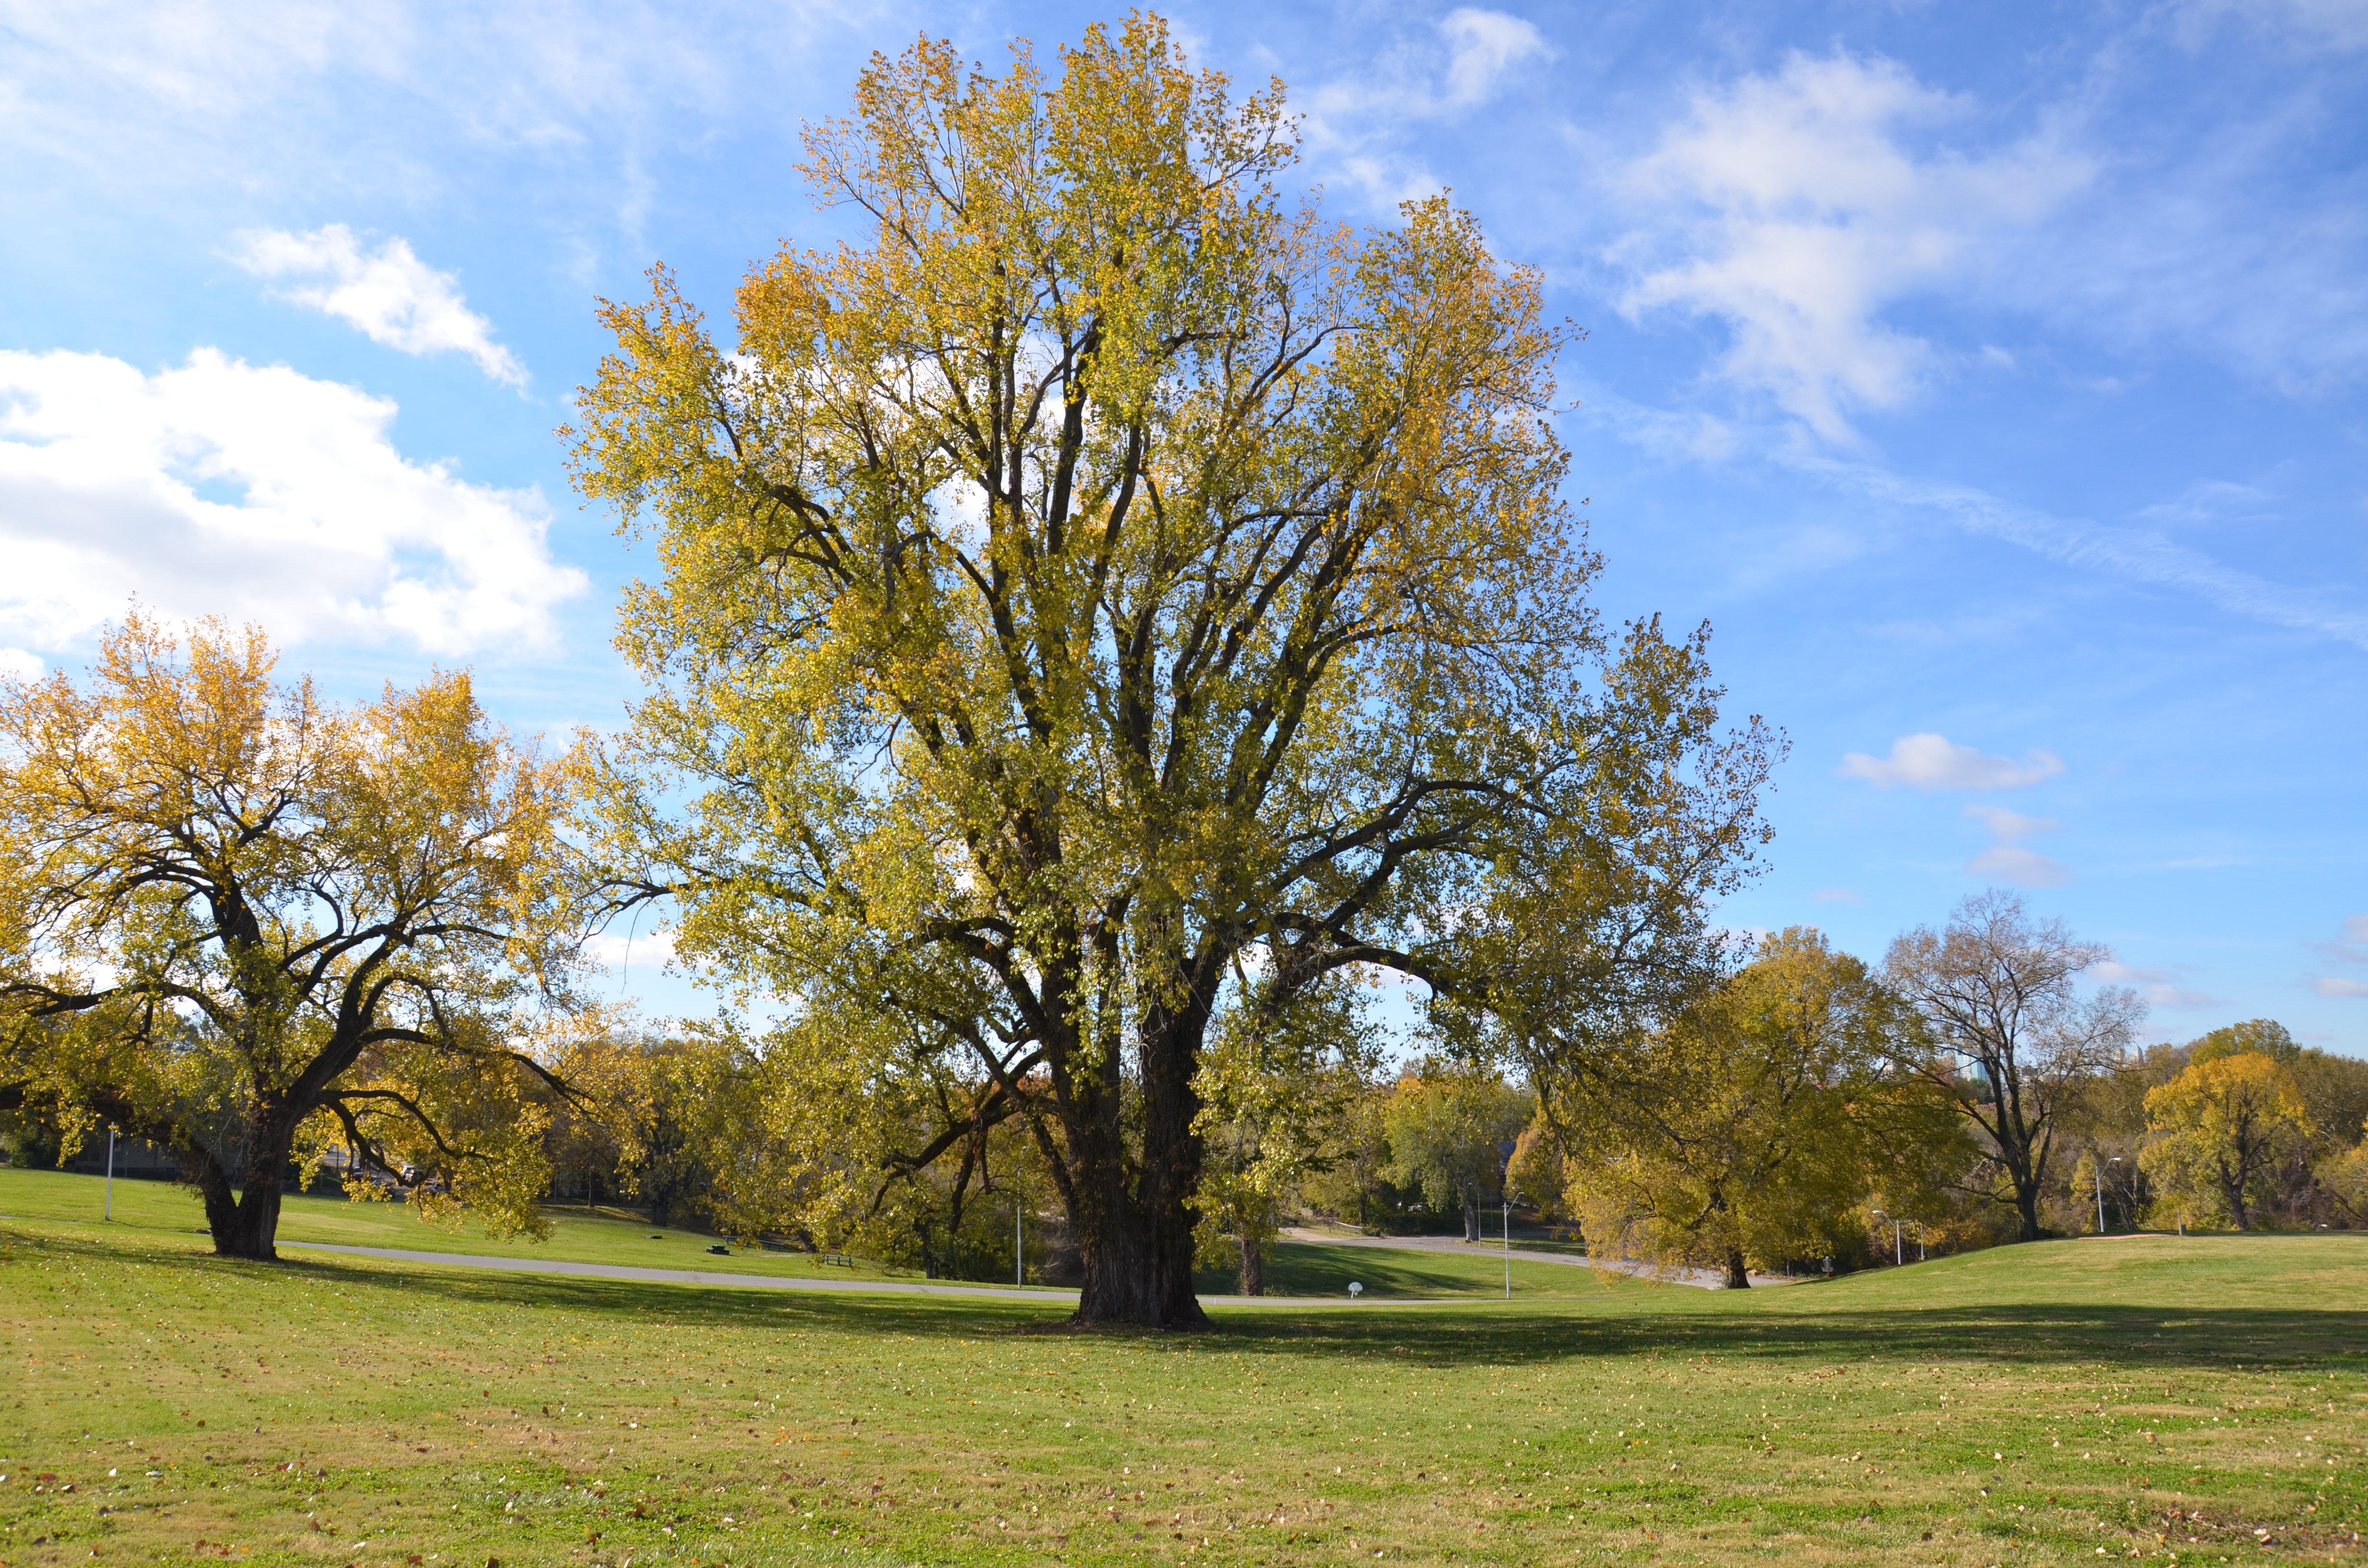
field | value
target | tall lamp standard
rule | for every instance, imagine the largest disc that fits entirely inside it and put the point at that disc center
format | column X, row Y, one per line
column 2101, row 1194
column 1898, row 1249
column 1505, row 1195
column 109, row 1213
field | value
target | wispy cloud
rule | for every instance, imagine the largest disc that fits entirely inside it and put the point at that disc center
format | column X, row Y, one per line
column 389, row 293
column 1799, row 207
column 2308, row 23
column 2007, row 860
column 1367, row 123
column 2350, row 949
column 1837, row 896
column 2160, row 987
column 1928, row 761
column 2139, row 555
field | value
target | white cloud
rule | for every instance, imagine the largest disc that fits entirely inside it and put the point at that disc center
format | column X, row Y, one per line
column 628, row 950
column 1837, row 896
column 392, row 296
column 2010, row 827
column 1362, row 124
column 1482, row 47
column 1934, row 761
column 2023, row 868
column 2007, row 860
column 1796, row 208
column 256, row 493
column 2329, row 986
column 17, row 665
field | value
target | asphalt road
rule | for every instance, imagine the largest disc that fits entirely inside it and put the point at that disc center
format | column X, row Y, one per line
column 772, row 1282
column 1704, row 1278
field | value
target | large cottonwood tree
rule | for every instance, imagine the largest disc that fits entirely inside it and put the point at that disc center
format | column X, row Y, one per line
column 247, row 923
column 1098, row 572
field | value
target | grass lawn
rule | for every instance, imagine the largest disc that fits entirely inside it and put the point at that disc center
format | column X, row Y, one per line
column 1315, row 1268
column 577, row 1236
column 163, row 1208
column 2203, row 1399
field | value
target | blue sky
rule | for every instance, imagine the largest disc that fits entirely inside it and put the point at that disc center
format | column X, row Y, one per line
column 1995, row 380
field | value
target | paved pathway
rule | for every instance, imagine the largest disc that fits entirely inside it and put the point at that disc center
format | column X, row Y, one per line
column 683, row 1276
column 1707, row 1279
column 776, row 1282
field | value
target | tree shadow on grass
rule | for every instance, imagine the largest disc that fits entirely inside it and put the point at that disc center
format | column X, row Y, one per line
column 1312, row 1269
column 1643, row 1321
column 2003, row 1332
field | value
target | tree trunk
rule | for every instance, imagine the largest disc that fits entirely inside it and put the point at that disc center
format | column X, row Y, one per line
column 2233, row 1189
column 1252, row 1275
column 1137, row 1245
column 247, row 1224
column 1738, row 1277
column 1470, row 1215
column 2026, row 1204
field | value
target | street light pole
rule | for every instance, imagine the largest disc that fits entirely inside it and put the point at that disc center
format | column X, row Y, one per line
column 2100, row 1193
column 1505, row 1196
column 110, row 1174
column 1898, row 1250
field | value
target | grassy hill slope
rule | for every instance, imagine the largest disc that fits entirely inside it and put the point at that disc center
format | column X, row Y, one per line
column 2206, row 1401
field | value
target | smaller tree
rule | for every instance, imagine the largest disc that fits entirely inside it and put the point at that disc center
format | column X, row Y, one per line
column 1755, row 1126
column 1279, row 1090
column 2222, row 1129
column 2260, row 1037
column 1998, row 995
column 1447, row 1125
column 1537, row 1172
column 246, row 924
column 659, row 1117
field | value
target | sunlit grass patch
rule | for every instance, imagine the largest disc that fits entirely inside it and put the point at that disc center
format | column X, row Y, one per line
column 1976, row 1413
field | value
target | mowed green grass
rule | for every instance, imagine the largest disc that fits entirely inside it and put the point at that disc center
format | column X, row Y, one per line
column 2201, row 1399
column 1315, row 1268
column 577, row 1236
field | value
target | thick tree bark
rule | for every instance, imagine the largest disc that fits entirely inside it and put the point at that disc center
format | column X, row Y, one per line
column 1738, row 1277
column 2023, row 1151
column 245, row 1222
column 1137, row 1244
column 1470, row 1215
column 2232, row 1188
column 1252, row 1274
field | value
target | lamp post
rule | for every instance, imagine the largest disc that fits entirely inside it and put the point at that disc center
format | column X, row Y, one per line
column 2100, row 1193
column 1898, row 1248
column 1505, row 1194
column 110, row 1212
